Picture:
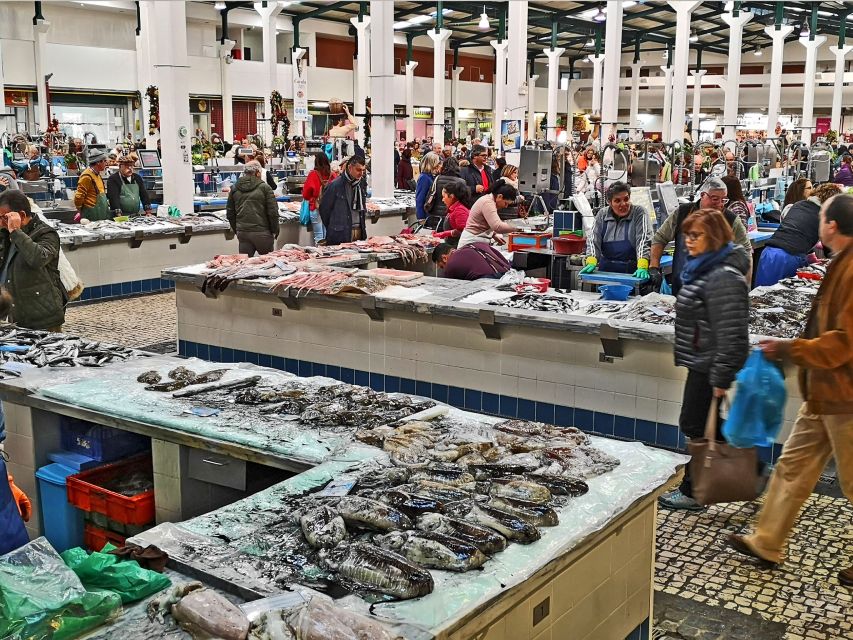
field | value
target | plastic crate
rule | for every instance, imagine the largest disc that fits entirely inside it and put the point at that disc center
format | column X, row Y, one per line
column 94, row 538
column 93, row 490
column 98, row 442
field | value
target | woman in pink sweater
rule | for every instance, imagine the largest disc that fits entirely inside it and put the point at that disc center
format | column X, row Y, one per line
column 453, row 195
column 484, row 222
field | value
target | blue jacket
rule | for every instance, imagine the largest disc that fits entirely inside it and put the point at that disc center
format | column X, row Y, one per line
column 12, row 531
column 421, row 192
column 336, row 212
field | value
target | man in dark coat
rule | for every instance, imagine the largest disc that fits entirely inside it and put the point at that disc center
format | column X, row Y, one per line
column 343, row 207
column 252, row 212
column 477, row 175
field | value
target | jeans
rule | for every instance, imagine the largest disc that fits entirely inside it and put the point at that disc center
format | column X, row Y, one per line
column 317, row 227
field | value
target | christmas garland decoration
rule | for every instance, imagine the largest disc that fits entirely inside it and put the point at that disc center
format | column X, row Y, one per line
column 366, row 122
column 279, row 116
column 153, row 109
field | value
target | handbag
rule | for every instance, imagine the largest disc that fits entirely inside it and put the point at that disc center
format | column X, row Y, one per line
column 718, row 471
column 305, row 213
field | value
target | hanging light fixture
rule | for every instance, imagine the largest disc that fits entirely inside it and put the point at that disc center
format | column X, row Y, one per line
column 599, row 16
column 219, row 6
column 694, row 37
column 758, row 52
column 484, row 20
column 804, row 32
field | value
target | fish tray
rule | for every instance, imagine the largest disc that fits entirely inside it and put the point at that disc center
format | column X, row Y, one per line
column 527, row 241
column 93, row 491
column 568, row 245
column 95, row 538
column 100, row 443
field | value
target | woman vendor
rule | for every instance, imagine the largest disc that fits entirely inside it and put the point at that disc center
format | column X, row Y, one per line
column 621, row 236
column 484, row 224
column 126, row 191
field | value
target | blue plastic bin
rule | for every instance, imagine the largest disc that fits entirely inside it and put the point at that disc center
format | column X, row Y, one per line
column 72, row 460
column 63, row 523
column 100, row 443
column 618, row 292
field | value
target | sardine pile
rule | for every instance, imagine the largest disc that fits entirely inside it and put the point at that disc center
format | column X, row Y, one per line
column 640, row 310
column 538, row 302
column 779, row 312
column 45, row 349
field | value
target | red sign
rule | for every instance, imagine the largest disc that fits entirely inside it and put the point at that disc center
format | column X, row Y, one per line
column 17, row 98
column 822, row 125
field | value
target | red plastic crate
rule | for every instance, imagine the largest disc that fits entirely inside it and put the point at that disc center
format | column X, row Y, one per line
column 91, row 491
column 94, row 538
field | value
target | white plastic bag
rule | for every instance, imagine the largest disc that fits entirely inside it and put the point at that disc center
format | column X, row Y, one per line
column 73, row 285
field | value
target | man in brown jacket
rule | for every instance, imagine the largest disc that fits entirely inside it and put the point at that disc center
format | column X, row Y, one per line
column 824, row 426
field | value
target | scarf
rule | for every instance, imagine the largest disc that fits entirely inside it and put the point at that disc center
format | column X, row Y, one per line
column 357, row 194
column 697, row 265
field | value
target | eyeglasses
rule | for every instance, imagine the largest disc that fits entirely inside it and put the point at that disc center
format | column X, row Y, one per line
column 717, row 199
column 693, row 236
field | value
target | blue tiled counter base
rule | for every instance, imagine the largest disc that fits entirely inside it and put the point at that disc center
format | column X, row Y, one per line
column 642, row 632
column 124, row 289
column 606, row 424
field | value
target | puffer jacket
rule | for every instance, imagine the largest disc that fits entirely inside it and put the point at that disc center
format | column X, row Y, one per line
column 38, row 300
column 252, row 206
column 712, row 320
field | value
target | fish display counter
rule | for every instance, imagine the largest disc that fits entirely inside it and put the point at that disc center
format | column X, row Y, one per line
column 568, row 357
column 427, row 520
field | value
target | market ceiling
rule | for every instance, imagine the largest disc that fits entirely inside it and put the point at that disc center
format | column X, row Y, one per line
column 652, row 21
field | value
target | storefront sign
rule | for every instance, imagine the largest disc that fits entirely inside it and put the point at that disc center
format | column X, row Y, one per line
column 17, row 98
column 300, row 93
column 510, row 135
column 199, row 105
column 822, row 125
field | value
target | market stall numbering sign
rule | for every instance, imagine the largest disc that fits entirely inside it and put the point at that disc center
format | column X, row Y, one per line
column 300, row 93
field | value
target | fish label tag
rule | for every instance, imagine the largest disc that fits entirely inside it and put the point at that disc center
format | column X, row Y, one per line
column 338, row 487
column 771, row 310
column 658, row 311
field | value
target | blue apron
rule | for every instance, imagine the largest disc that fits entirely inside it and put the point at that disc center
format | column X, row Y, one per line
column 776, row 264
column 12, row 531
column 618, row 256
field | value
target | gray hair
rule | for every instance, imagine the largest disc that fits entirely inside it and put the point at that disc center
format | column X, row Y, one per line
column 252, row 168
column 430, row 163
column 713, row 184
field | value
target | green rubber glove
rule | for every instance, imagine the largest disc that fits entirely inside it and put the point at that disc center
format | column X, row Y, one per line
column 590, row 268
column 642, row 274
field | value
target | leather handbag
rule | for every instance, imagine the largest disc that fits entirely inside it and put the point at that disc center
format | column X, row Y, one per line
column 718, row 471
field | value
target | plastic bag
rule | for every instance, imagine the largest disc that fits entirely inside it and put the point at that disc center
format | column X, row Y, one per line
column 72, row 283
column 756, row 414
column 101, row 570
column 41, row 598
column 305, row 213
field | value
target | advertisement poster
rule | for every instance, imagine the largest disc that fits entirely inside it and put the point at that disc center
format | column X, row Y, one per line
column 510, row 135
column 300, row 93
column 822, row 125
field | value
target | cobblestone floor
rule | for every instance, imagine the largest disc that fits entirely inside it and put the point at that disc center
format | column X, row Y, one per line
column 704, row 590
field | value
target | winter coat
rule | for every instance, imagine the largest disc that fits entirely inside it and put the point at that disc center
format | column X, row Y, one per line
column 405, row 174
column 252, row 206
column 473, row 177
column 38, row 297
column 800, row 228
column 712, row 320
column 422, row 189
column 337, row 214
column 844, row 175
column 438, row 208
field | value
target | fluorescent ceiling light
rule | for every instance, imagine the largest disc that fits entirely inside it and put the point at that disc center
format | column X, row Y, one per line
column 284, row 4
column 419, row 19
column 319, row 104
column 402, row 25
column 590, row 14
column 219, row 6
column 694, row 37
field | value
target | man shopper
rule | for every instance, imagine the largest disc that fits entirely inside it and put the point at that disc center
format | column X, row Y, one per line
column 471, row 262
column 125, row 190
column 477, row 175
column 343, row 207
column 252, row 212
column 824, row 426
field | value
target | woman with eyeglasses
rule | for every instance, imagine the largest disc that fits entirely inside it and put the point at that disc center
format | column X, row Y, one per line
column 484, row 224
column 711, row 327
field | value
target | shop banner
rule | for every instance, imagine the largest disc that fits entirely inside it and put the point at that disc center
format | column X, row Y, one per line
column 822, row 126
column 510, row 135
column 300, row 93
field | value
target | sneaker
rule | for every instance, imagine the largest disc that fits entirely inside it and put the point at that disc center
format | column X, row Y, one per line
column 677, row 500
column 845, row 577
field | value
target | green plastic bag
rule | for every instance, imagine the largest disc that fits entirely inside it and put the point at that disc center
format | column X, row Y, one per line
column 42, row 599
column 100, row 570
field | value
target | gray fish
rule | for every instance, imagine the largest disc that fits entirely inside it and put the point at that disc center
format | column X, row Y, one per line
column 364, row 566
column 433, row 550
column 412, row 505
column 520, row 490
column 559, row 485
column 452, row 475
column 487, row 470
column 536, row 514
column 365, row 513
column 485, row 539
column 439, row 490
column 508, row 525
column 323, row 528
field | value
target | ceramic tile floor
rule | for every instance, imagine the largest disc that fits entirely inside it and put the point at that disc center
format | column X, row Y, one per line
column 704, row 590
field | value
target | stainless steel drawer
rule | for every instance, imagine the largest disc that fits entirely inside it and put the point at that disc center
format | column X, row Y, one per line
column 217, row 469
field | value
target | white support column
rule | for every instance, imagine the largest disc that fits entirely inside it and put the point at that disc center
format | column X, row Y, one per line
column 362, row 73
column 667, row 100
column 169, row 53
column 227, row 97
column 454, row 98
column 500, row 87
column 269, row 18
column 5, row 123
column 516, row 78
column 410, row 100
column 382, row 99
column 439, row 40
column 612, row 63
column 683, row 11
column 144, row 71
column 635, row 98
column 778, row 36
column 553, row 89
column 697, row 102
column 597, row 63
column 40, row 30
column 732, row 90
column 531, row 107
column 838, row 88
column 807, row 122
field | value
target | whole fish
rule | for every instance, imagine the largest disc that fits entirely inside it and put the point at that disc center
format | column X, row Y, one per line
column 322, row 527
column 520, row 490
column 210, row 376
column 486, row 540
column 559, row 485
column 365, row 513
column 181, row 373
column 448, row 474
column 499, row 469
column 508, row 525
column 439, row 490
column 149, row 377
column 411, row 504
column 364, row 566
column 168, row 385
column 433, row 550
column 538, row 515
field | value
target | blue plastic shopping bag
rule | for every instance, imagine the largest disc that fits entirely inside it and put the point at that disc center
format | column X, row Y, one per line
column 756, row 414
column 304, row 213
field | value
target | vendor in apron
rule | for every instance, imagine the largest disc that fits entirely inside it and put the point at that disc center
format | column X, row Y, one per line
column 126, row 191
column 621, row 236
column 91, row 195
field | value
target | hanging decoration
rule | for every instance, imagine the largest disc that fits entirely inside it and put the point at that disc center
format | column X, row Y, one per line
column 279, row 116
column 153, row 94
column 366, row 122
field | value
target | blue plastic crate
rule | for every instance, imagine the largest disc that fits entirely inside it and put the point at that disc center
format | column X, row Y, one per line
column 100, row 443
